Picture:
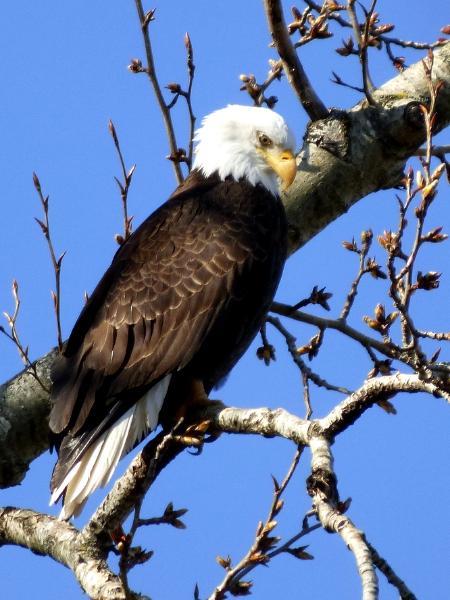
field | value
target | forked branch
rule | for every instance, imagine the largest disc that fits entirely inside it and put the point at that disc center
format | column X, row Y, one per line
column 292, row 66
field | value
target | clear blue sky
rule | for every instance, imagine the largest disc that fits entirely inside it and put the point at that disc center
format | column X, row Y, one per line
column 63, row 73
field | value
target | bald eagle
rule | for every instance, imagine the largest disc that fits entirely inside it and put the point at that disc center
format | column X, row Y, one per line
column 179, row 305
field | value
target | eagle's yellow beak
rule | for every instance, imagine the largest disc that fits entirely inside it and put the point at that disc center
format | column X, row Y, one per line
column 282, row 161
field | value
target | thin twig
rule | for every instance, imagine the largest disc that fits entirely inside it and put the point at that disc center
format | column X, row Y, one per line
column 338, row 81
column 145, row 19
column 366, row 238
column 15, row 339
column 56, row 262
column 306, row 395
column 390, row 350
column 258, row 552
column 123, row 186
column 413, row 44
column 305, row 370
column 391, row 576
column 256, row 90
column 402, row 285
column 188, row 97
column 336, row 16
column 362, row 41
column 293, row 68
column 434, row 151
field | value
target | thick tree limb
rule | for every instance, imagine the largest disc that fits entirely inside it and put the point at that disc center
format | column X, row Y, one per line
column 50, row 537
column 351, row 154
column 24, row 410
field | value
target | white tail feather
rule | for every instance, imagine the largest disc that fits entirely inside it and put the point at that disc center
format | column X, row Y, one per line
column 98, row 463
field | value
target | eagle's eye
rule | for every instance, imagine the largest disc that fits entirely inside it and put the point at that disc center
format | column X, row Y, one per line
column 264, row 140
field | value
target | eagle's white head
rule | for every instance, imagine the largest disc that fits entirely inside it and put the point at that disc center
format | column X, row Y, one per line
column 246, row 142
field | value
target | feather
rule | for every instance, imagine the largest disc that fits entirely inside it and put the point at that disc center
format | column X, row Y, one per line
column 98, row 463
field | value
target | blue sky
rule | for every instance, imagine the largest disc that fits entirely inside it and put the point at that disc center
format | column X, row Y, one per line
column 63, row 72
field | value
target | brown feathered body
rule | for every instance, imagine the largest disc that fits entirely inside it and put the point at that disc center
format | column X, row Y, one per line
column 182, row 300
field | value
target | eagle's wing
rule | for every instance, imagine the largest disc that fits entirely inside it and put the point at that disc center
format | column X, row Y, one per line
column 185, row 294
column 153, row 308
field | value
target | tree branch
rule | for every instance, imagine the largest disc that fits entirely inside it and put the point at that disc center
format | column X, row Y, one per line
column 332, row 518
column 349, row 155
column 48, row 536
column 279, row 422
column 24, row 411
column 391, row 576
column 292, row 66
column 144, row 20
column 131, row 487
column 336, row 324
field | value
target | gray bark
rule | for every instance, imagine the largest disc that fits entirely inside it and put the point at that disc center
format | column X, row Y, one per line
column 344, row 158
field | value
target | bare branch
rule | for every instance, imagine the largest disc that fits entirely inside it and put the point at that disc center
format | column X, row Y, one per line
column 48, row 536
column 258, row 553
column 145, row 19
column 366, row 238
column 15, row 339
column 363, row 42
column 188, row 97
column 306, row 371
column 389, row 350
column 383, row 566
column 132, row 486
column 293, row 68
column 333, row 520
column 124, row 186
column 56, row 262
column 279, row 422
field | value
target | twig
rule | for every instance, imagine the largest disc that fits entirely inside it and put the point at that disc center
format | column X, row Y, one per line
column 336, row 16
column 256, row 90
column 15, row 339
column 145, row 20
column 338, row 81
column 123, row 186
column 305, row 370
column 391, row 576
column 188, row 97
column 293, row 68
column 402, row 285
column 178, row 91
column 258, row 552
column 366, row 238
column 390, row 350
column 413, row 44
column 306, row 395
column 362, row 41
column 438, row 151
column 56, row 262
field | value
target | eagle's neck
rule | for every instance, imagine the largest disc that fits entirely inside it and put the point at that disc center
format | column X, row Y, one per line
column 236, row 163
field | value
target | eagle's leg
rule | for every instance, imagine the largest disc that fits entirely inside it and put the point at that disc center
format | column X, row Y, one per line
column 185, row 401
